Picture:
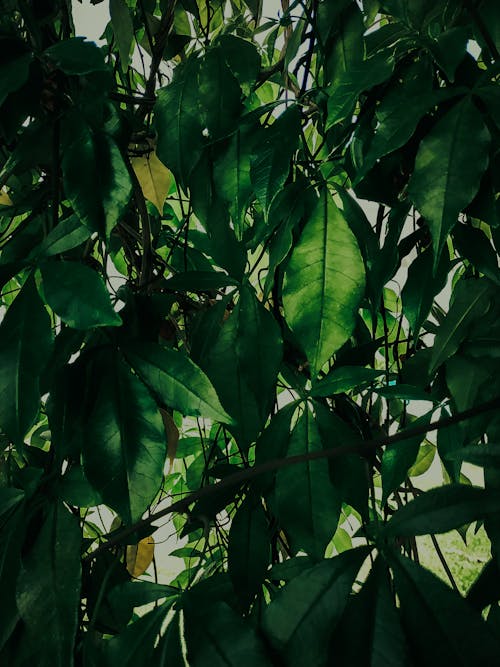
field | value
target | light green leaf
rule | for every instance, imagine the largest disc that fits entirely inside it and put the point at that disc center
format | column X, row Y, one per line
column 95, row 176
column 471, row 300
column 324, row 283
column 307, row 504
column 442, row 509
column 25, row 346
column 176, row 380
column 78, row 295
column 441, row 627
column 344, row 378
column 300, row 619
column 123, row 30
column 48, row 589
column 448, row 169
column 124, row 439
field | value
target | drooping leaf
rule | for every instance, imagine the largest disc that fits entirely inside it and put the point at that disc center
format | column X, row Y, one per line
column 69, row 234
column 471, row 300
column 215, row 635
column 123, row 29
column 308, row 506
column 441, row 628
column 371, row 614
column 298, row 622
column 176, row 380
column 25, row 346
column 270, row 163
column 48, row 589
column 140, row 556
column 448, row 169
column 324, row 283
column 248, row 550
column 77, row 56
column 442, row 509
column 154, row 178
column 78, row 295
column 95, row 176
column 125, row 445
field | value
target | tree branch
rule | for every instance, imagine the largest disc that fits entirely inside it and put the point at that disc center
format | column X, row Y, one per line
column 361, row 447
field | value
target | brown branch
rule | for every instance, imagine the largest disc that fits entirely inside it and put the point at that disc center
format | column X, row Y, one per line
column 362, row 447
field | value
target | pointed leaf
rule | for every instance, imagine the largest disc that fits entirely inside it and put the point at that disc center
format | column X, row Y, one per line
column 154, row 178
column 78, row 295
column 307, row 504
column 344, row 378
column 95, row 176
column 248, row 550
column 77, row 56
column 123, row 30
column 324, row 283
column 69, row 234
column 48, row 589
column 176, row 380
column 448, row 169
column 124, row 445
column 441, row 627
column 442, row 509
column 25, row 346
column 140, row 556
column 300, row 619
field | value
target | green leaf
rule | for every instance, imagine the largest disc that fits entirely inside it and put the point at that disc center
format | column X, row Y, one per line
column 95, row 176
column 441, row 628
column 270, row 163
column 243, row 363
column 473, row 244
column 176, row 380
column 48, row 589
column 69, row 234
column 298, row 622
column 308, row 506
column 13, row 533
column 78, row 295
column 449, row 49
column 75, row 489
column 448, row 169
column 123, row 30
column 480, row 455
column 399, row 457
column 215, row 635
column 14, row 72
column 471, row 300
column 25, row 347
column 76, row 56
column 324, row 283
column 9, row 499
column 178, row 122
column 347, row 49
column 371, row 614
column 344, row 378
column 242, row 58
column 248, row 550
column 442, row 509
column 232, row 178
column 125, row 444
column 406, row 392
column 344, row 91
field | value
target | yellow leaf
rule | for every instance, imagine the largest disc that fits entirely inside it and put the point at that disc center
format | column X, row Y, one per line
column 154, row 178
column 139, row 556
column 5, row 200
column 172, row 435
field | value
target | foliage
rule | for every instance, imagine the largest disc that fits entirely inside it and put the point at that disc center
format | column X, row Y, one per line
column 205, row 330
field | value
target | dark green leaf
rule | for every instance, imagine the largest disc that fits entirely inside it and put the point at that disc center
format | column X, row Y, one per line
column 344, row 378
column 199, row 281
column 480, row 455
column 76, row 56
column 242, row 58
column 176, row 380
column 78, row 295
column 69, row 234
column 123, row 29
column 25, row 346
column 125, row 443
column 48, row 589
column 307, row 504
column 13, row 73
column 299, row 621
column 248, row 550
column 406, row 392
column 324, row 283
column 442, row 509
column 473, row 244
column 448, row 169
column 442, row 629
column 96, row 179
